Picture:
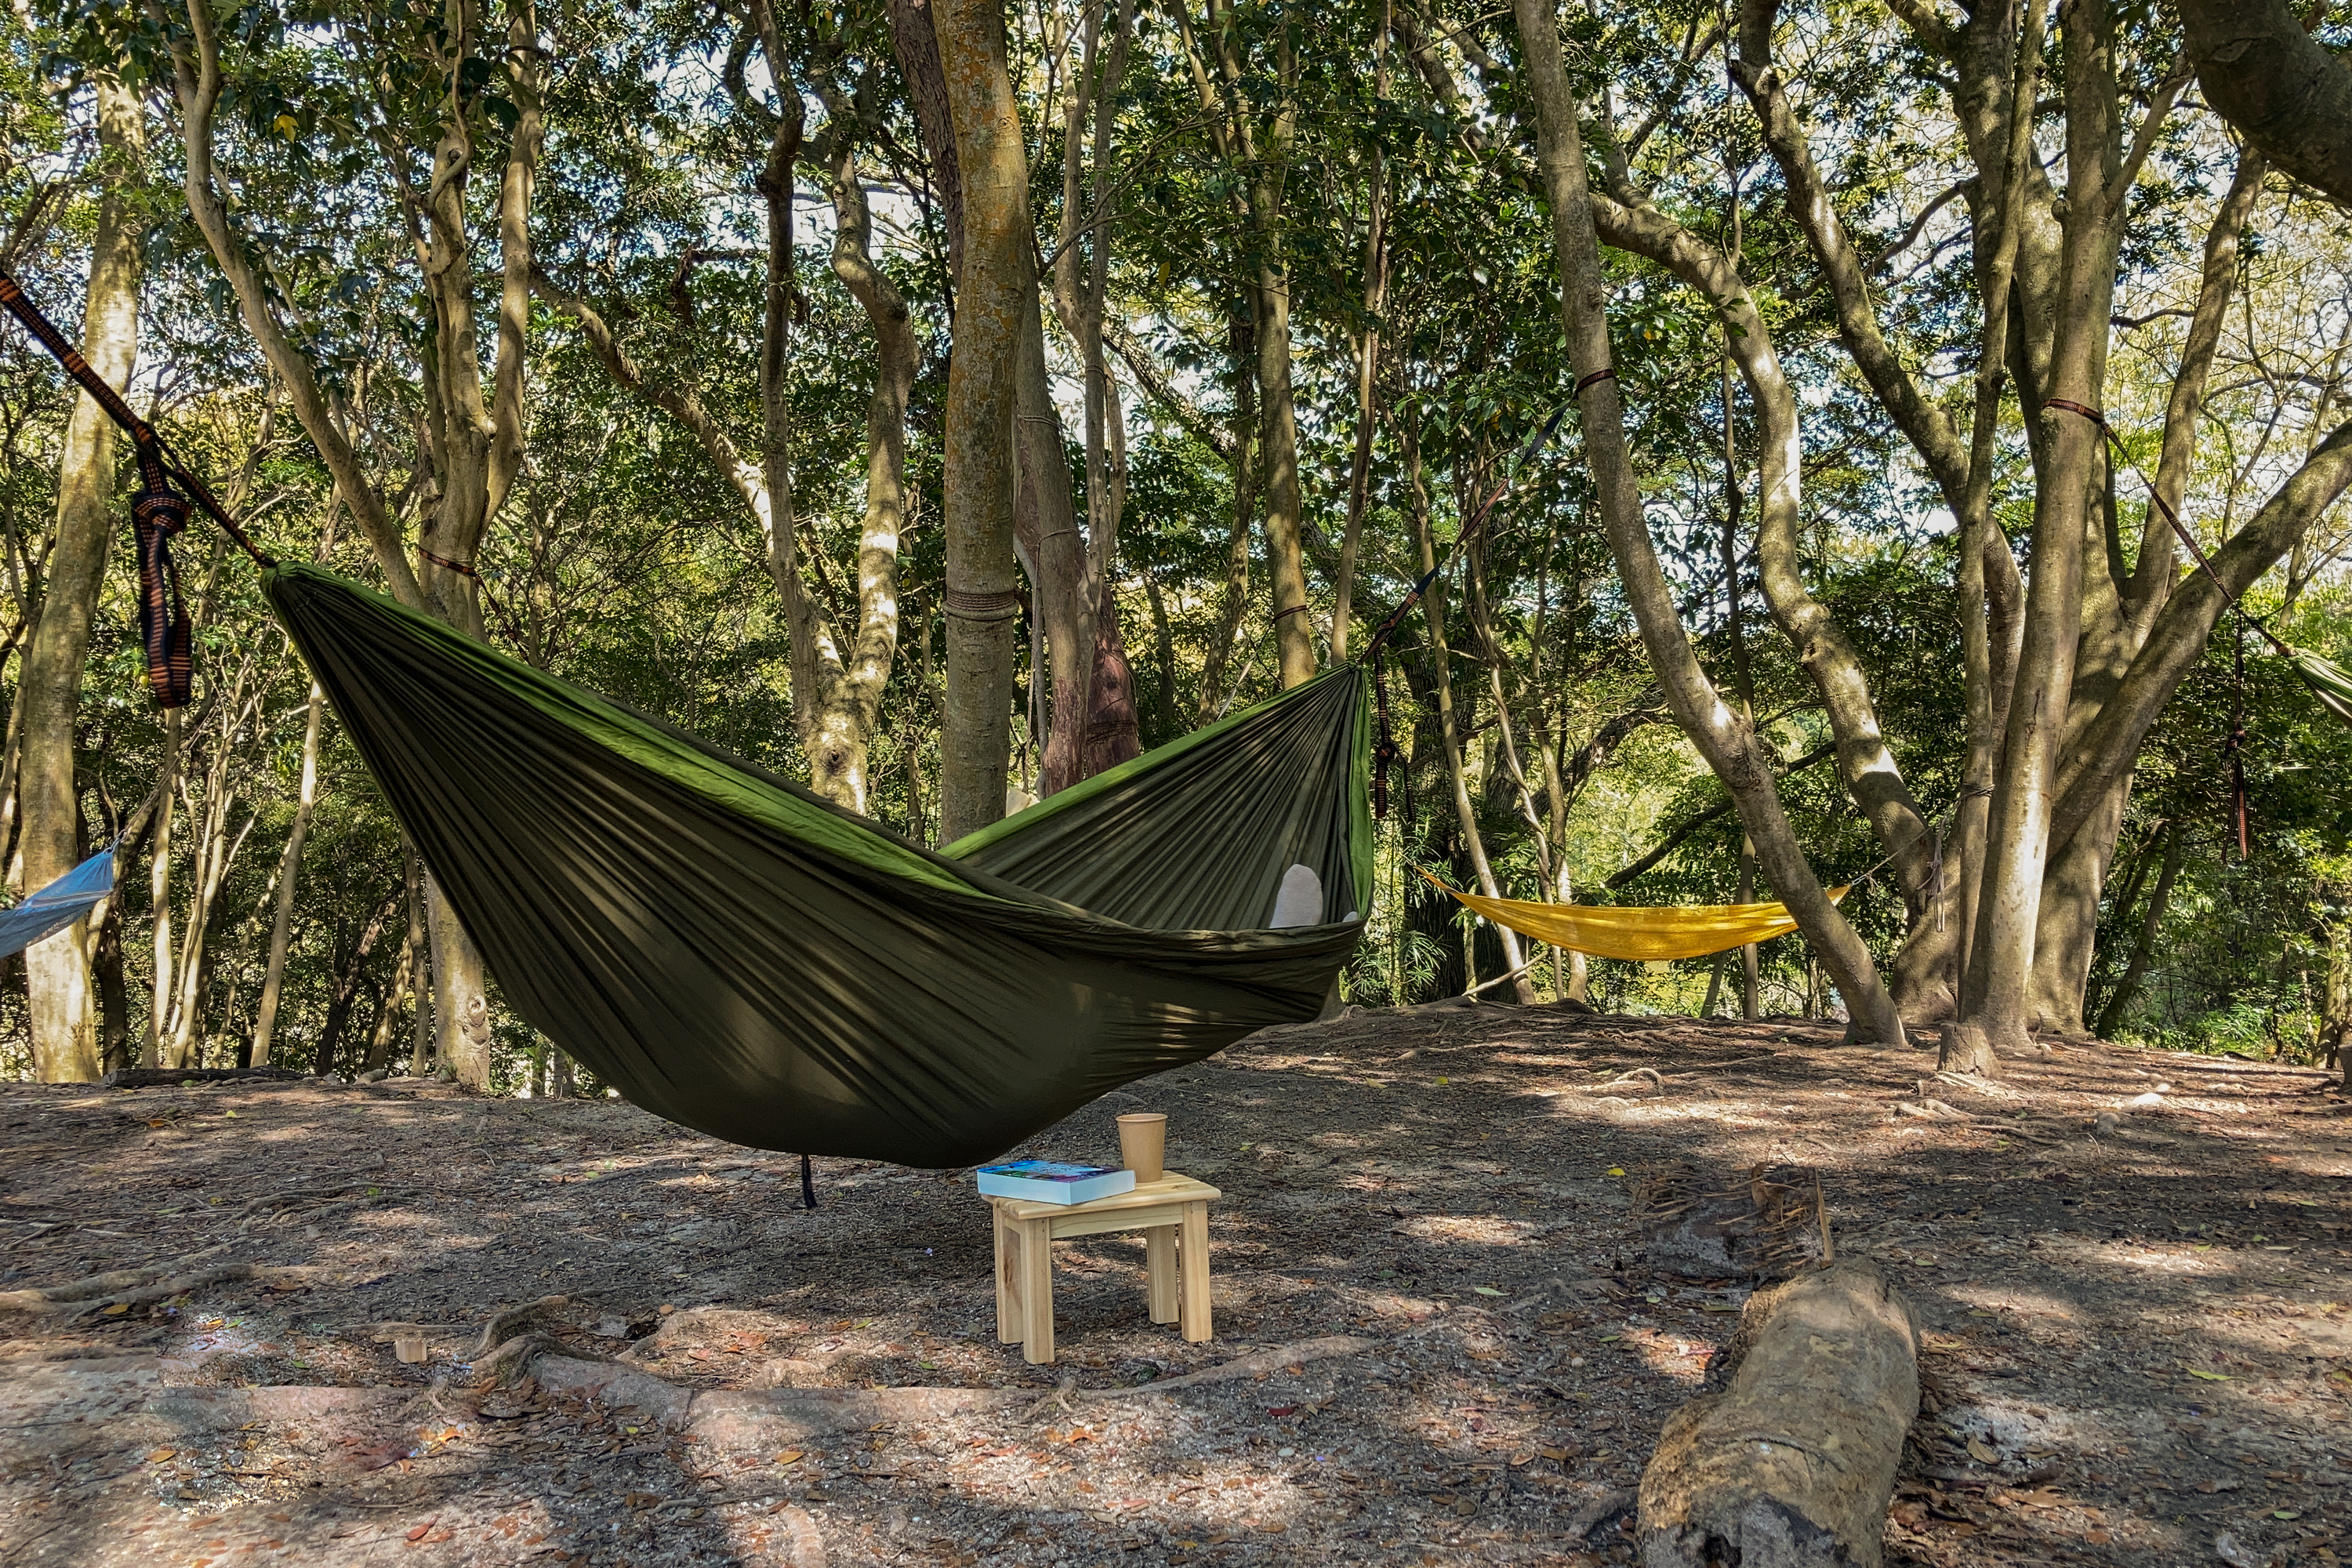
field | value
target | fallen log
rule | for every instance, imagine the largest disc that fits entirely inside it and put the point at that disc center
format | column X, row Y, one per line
column 1792, row 1463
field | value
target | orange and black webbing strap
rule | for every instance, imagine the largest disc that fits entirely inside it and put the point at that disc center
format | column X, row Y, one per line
column 157, row 511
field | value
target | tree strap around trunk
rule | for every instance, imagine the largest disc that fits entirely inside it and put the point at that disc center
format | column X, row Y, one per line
column 997, row 606
column 463, row 569
column 158, row 511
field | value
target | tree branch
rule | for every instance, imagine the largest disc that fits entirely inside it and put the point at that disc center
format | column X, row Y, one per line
column 1680, row 836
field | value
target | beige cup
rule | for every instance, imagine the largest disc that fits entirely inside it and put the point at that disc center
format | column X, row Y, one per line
column 1143, row 1145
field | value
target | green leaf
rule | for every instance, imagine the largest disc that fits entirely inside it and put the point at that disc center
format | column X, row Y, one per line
column 2208, row 1376
column 1484, row 1290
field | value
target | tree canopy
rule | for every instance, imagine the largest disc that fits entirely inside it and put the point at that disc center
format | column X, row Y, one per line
column 940, row 403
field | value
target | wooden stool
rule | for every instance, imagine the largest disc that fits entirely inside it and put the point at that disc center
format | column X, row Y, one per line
column 1173, row 1214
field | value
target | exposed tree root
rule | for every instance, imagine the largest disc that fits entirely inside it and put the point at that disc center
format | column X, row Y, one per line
column 95, row 1290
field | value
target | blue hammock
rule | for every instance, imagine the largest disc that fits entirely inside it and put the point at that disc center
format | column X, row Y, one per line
column 58, row 905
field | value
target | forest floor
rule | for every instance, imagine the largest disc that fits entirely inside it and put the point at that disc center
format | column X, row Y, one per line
column 1440, row 1340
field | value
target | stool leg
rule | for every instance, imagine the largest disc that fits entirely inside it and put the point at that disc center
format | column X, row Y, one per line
column 1037, row 1290
column 1159, row 1271
column 1192, row 1307
column 1008, row 1278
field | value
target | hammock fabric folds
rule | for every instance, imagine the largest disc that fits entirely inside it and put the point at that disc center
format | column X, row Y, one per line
column 736, row 954
column 1642, row 936
column 41, row 915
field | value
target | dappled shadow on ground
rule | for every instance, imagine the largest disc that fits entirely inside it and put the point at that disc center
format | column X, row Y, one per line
column 2134, row 1337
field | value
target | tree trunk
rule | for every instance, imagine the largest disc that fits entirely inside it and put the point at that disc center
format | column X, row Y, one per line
column 64, row 1013
column 998, row 283
column 350, row 968
column 1368, row 356
column 1866, row 766
column 1102, row 732
column 2066, row 932
column 387, row 1020
column 1237, row 540
column 461, row 1013
column 1260, row 163
column 281, row 927
column 420, row 962
column 2338, row 1005
column 847, row 694
column 1729, row 744
column 1994, row 994
column 159, row 889
column 1294, row 634
column 1047, row 527
column 1464, row 812
column 917, row 45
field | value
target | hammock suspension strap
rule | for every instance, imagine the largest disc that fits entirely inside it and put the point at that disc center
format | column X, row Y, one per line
column 158, row 510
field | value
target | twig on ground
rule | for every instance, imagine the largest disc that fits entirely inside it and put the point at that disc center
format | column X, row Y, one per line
column 1267, row 1361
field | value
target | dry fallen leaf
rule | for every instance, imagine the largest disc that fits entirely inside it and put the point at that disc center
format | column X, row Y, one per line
column 160, row 1454
column 1983, row 1453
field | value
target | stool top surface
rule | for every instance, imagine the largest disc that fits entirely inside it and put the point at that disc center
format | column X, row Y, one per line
column 1171, row 1188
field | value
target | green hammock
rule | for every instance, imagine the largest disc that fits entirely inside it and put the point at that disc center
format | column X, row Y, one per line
column 2330, row 683
column 737, row 955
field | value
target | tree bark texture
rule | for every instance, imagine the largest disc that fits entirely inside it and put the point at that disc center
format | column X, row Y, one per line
column 57, row 971
column 1728, row 742
column 916, row 42
column 998, row 280
column 159, row 890
column 2264, row 73
column 1993, row 993
column 281, row 925
column 1792, row 1465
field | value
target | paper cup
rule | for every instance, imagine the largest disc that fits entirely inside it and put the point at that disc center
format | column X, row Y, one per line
column 1143, row 1143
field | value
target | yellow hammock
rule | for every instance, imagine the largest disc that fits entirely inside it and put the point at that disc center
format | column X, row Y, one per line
column 1642, row 934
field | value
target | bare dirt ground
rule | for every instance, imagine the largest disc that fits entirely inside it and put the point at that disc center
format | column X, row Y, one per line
column 1437, row 1340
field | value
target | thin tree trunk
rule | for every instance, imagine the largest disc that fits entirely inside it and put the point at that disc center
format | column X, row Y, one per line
column 2144, row 947
column 1729, row 744
column 57, row 971
column 998, row 283
column 281, row 927
column 1367, row 355
column 158, row 887
column 420, row 968
column 1441, row 675
column 387, row 1021
column 1237, row 540
column 847, row 694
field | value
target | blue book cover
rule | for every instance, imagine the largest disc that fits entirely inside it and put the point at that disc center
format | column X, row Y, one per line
column 1052, row 1182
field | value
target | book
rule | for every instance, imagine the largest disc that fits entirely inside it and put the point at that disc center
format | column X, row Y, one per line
column 1050, row 1181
